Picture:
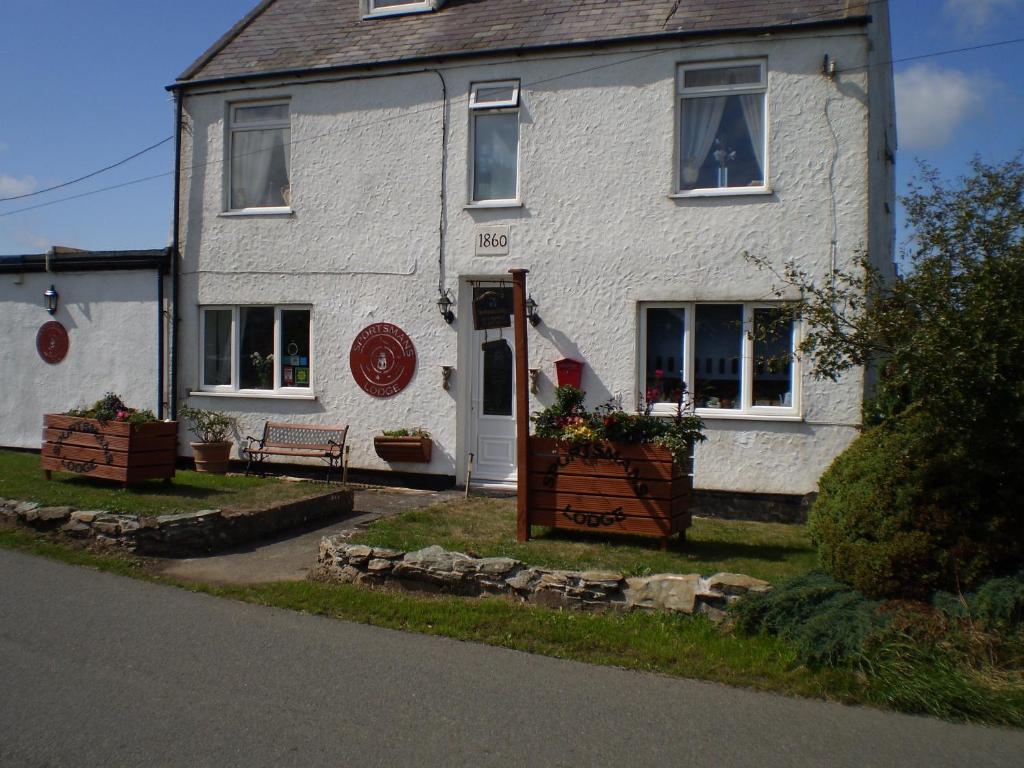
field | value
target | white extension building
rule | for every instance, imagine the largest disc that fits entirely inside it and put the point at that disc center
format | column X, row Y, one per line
column 346, row 163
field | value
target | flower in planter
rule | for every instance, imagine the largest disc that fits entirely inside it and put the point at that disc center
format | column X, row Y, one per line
column 112, row 408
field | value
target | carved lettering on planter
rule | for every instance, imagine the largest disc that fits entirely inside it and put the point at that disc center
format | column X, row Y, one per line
column 594, row 519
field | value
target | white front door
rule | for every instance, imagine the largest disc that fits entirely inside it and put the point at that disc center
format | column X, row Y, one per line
column 493, row 414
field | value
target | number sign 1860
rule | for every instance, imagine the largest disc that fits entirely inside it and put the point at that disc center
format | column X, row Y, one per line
column 492, row 241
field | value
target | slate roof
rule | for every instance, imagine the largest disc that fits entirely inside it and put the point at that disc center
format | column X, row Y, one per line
column 286, row 35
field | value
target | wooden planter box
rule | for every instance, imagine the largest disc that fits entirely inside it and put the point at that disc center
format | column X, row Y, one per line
column 411, row 449
column 608, row 487
column 112, row 450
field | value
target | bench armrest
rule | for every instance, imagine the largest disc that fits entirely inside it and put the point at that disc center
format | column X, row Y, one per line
column 251, row 441
column 336, row 448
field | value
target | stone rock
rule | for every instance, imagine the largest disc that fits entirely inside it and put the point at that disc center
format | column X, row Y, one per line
column 387, row 554
column 496, row 566
column 523, row 580
column 715, row 615
column 76, row 529
column 434, row 558
column 557, row 579
column 549, row 598
column 737, row 584
column 23, row 508
column 86, row 516
column 604, row 579
column 378, row 565
column 666, row 591
column 357, row 554
column 49, row 516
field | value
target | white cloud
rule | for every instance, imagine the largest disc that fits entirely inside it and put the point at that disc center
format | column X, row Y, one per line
column 974, row 16
column 3, row 147
column 932, row 102
column 11, row 186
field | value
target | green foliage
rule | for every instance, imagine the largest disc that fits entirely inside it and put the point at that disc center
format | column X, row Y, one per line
column 207, row 426
column 568, row 419
column 112, row 408
column 406, row 432
column 998, row 605
column 826, row 621
column 896, row 516
column 939, row 505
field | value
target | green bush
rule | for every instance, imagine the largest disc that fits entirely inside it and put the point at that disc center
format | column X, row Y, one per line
column 997, row 606
column 827, row 621
column 898, row 515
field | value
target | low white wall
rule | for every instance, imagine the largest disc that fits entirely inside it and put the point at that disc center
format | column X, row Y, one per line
column 111, row 319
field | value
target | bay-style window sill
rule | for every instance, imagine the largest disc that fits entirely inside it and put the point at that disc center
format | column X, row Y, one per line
column 725, row 415
column 722, row 192
column 254, row 395
column 493, row 204
column 279, row 211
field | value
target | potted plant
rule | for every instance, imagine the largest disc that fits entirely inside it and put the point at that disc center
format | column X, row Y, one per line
column 412, row 445
column 213, row 450
column 609, row 470
column 109, row 440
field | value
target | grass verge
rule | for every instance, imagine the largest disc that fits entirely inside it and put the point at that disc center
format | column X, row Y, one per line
column 21, row 478
column 486, row 527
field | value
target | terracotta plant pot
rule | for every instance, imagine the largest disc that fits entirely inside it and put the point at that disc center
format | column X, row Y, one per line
column 412, row 449
column 212, row 457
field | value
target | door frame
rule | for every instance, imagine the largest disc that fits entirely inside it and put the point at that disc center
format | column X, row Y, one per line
column 464, row 367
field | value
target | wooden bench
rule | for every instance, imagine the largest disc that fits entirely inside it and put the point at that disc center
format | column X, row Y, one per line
column 326, row 443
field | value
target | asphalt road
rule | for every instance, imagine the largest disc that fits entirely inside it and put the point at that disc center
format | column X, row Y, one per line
column 99, row 670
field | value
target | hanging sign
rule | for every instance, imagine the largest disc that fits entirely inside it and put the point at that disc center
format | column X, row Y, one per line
column 382, row 359
column 492, row 308
column 52, row 342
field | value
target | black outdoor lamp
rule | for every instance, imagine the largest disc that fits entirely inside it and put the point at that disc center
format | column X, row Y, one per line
column 531, row 311
column 50, row 297
column 444, row 306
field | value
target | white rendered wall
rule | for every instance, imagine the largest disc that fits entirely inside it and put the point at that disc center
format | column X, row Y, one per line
column 597, row 230
column 111, row 319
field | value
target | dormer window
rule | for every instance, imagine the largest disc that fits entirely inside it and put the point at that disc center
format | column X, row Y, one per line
column 374, row 8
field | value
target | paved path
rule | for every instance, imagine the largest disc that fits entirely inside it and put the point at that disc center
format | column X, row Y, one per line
column 291, row 556
column 104, row 671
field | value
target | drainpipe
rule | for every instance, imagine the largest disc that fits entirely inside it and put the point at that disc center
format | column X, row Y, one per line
column 160, row 343
column 179, row 109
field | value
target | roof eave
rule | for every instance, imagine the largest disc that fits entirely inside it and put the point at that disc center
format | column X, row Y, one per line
column 183, row 84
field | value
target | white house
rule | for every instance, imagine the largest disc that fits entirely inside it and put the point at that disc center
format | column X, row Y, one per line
column 348, row 163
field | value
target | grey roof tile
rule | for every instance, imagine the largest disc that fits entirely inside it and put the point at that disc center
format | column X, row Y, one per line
column 299, row 34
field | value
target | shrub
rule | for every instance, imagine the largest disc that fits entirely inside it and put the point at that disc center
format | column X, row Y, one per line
column 207, row 426
column 898, row 516
column 997, row 606
column 826, row 620
column 112, row 408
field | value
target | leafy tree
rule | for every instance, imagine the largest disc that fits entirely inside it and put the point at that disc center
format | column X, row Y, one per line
column 948, row 340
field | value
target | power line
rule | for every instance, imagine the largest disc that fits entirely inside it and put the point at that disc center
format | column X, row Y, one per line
column 88, row 175
column 86, row 194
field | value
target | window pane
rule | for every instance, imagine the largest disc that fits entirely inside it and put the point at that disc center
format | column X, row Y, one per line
column 259, row 168
column 703, row 78
column 498, row 383
column 718, row 348
column 663, row 379
column 495, row 150
column 261, row 113
column 217, row 347
column 294, row 347
column 722, row 142
column 257, row 347
column 773, row 365
column 489, row 94
column 377, row 4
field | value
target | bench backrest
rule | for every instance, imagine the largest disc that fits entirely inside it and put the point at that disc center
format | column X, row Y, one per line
column 302, row 436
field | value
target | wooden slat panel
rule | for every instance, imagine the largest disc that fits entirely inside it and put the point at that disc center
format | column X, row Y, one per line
column 593, row 451
column 606, row 486
column 118, row 428
column 114, row 442
column 111, row 458
column 641, row 470
column 643, row 526
column 122, row 474
column 598, row 503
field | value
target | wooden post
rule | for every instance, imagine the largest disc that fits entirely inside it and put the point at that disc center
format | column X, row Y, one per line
column 522, row 405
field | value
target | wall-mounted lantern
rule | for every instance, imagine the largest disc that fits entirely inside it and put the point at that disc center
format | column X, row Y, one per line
column 444, row 306
column 531, row 311
column 50, row 298
column 446, row 376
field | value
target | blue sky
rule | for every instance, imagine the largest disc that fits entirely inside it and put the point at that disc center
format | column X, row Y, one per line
column 82, row 87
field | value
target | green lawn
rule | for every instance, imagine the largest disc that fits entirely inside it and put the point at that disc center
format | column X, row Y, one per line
column 486, row 527
column 21, row 478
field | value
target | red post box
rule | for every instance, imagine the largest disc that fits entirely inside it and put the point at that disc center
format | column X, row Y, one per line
column 570, row 372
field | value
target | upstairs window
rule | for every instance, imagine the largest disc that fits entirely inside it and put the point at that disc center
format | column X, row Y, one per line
column 722, row 127
column 260, row 151
column 494, row 136
column 394, row 7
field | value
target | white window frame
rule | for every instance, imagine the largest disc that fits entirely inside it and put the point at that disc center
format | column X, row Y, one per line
column 372, row 11
column 747, row 409
column 258, row 125
column 682, row 93
column 236, row 373
column 494, row 107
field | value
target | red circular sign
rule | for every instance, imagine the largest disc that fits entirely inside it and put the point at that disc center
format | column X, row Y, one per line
column 383, row 359
column 52, row 342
